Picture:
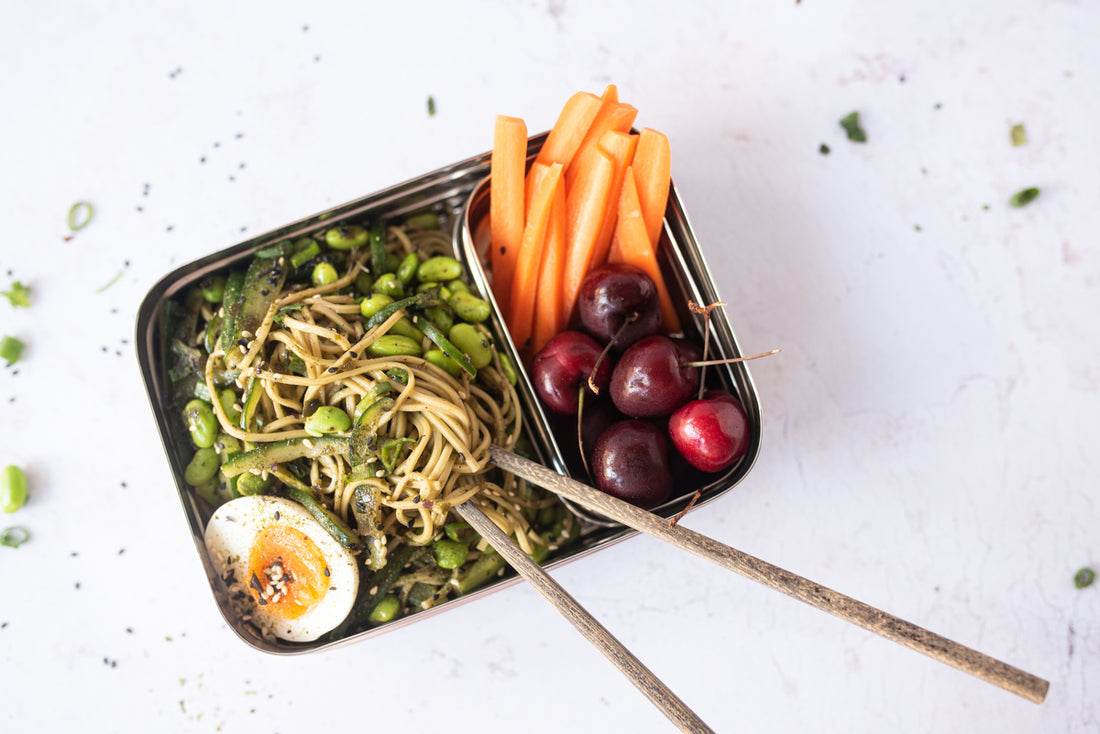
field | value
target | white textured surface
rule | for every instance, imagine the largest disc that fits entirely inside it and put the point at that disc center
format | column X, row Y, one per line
column 930, row 426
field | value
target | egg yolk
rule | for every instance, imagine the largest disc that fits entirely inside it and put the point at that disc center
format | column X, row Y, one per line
column 287, row 573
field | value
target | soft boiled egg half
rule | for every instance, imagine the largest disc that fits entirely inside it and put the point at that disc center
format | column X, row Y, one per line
column 283, row 570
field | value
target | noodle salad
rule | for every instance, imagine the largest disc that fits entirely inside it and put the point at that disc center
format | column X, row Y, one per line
column 341, row 394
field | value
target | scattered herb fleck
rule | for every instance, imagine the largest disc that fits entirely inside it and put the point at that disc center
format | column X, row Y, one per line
column 1018, row 135
column 19, row 295
column 14, row 537
column 1084, row 578
column 917, row 227
column 823, row 150
column 850, row 123
column 109, row 283
column 1024, row 197
column 431, row 106
column 80, row 215
column 11, row 349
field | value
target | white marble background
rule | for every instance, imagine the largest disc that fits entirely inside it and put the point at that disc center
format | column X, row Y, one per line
column 930, row 428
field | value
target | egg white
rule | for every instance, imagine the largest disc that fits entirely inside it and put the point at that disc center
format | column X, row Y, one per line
column 229, row 536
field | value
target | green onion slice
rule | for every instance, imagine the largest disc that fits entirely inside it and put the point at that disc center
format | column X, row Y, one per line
column 14, row 537
column 80, row 215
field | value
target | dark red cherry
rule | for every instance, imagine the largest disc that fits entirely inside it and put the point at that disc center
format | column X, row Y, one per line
column 614, row 294
column 630, row 461
column 651, row 378
column 711, row 433
column 562, row 367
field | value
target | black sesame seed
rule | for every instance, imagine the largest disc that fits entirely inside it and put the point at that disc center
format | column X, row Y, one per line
column 277, row 515
column 331, row 370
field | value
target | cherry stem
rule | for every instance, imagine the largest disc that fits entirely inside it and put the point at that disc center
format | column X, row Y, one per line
column 691, row 503
column 705, row 310
column 580, row 431
column 607, row 349
column 731, row 360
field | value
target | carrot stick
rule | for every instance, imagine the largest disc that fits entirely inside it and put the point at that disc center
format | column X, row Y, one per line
column 612, row 115
column 569, row 130
column 652, row 174
column 585, row 204
column 508, row 163
column 521, row 313
column 549, row 305
column 620, row 146
column 632, row 245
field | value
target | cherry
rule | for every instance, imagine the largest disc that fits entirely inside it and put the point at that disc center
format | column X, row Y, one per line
column 619, row 302
column 563, row 366
column 651, row 378
column 711, row 433
column 630, row 461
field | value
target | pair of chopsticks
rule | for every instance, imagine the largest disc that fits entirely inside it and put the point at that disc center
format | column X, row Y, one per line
column 881, row 623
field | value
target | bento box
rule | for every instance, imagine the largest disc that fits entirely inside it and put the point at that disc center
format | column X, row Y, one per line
column 456, row 199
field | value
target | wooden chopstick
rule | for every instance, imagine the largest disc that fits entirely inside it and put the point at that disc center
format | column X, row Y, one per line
column 638, row 674
column 881, row 623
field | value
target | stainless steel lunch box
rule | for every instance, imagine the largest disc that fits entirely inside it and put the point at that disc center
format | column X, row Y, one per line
column 460, row 194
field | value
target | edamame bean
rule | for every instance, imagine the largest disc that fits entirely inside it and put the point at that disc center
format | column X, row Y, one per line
column 406, row 327
column 458, row 286
column 347, row 237
column 509, row 368
column 439, row 359
column 228, row 399
column 394, row 345
column 440, row 317
column 213, row 288
column 374, row 303
column 392, row 261
column 385, row 610
column 472, row 343
column 449, row 553
column 202, row 467
column 201, row 423
column 363, row 283
column 13, row 488
column 406, row 271
column 327, row 419
column 323, row 274
column 469, row 307
column 388, row 284
column 439, row 269
column 208, row 491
